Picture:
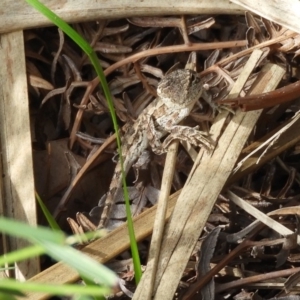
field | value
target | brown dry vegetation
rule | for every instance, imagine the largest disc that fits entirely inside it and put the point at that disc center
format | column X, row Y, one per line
column 73, row 143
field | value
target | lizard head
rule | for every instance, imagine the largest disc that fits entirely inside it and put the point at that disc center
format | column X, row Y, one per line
column 180, row 88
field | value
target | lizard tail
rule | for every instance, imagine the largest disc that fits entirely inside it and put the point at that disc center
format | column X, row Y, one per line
column 106, row 210
column 110, row 200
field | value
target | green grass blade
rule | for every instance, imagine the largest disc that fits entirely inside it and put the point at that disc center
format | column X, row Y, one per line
column 55, row 19
column 28, row 232
column 84, row 297
column 51, row 221
column 9, row 295
column 83, row 264
column 87, row 236
column 53, row 243
column 63, row 290
column 21, row 254
column 94, row 59
column 89, row 282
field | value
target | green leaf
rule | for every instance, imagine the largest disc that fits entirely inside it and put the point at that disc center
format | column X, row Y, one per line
column 66, row 289
column 21, row 254
column 84, row 297
column 89, row 282
column 9, row 294
column 28, row 232
column 51, row 221
column 84, row 265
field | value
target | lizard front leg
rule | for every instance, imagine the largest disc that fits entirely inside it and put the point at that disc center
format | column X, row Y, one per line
column 191, row 135
column 153, row 136
column 180, row 132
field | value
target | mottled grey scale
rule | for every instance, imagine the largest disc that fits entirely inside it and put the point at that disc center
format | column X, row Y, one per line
column 176, row 96
column 130, row 131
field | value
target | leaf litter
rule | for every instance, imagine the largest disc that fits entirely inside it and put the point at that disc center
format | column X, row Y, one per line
column 74, row 146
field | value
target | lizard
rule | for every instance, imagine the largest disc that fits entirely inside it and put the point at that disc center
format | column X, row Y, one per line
column 177, row 93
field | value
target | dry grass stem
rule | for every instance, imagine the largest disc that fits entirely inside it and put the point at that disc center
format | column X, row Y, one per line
column 201, row 191
column 146, row 285
column 285, row 13
column 17, row 181
column 22, row 16
column 282, row 230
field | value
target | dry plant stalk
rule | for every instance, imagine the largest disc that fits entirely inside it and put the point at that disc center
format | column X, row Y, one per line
column 256, row 160
column 282, row 230
column 159, row 222
column 118, row 240
column 17, row 182
column 202, row 190
column 23, row 16
column 285, row 13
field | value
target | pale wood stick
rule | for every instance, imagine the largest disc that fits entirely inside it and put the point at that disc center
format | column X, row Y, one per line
column 15, row 140
column 19, row 14
column 284, row 12
column 145, row 288
column 202, row 189
column 260, row 216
